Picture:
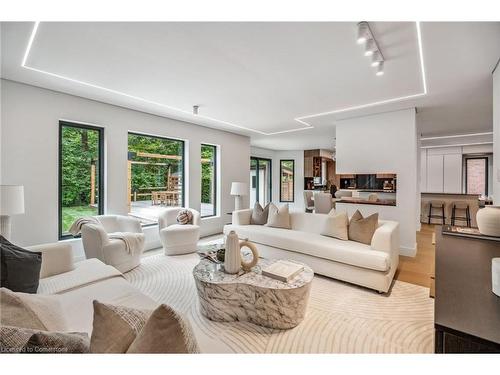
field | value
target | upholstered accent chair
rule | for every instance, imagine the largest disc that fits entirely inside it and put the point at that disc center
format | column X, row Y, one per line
column 308, row 201
column 178, row 238
column 323, row 203
column 99, row 241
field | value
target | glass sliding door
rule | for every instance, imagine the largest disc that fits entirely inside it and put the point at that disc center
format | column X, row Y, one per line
column 260, row 181
column 155, row 176
column 287, row 178
column 208, row 180
column 81, row 165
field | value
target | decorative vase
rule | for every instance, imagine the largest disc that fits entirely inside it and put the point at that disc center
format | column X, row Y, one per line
column 232, row 257
column 488, row 221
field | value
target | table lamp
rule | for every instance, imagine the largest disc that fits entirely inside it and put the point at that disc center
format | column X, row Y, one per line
column 11, row 203
column 238, row 189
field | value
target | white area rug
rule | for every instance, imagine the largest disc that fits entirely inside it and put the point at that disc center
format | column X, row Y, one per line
column 341, row 318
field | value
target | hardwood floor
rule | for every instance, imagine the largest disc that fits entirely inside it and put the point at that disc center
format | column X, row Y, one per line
column 418, row 269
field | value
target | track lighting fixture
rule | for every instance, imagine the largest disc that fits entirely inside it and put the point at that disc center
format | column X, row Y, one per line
column 380, row 69
column 363, row 31
column 376, row 59
column 372, row 49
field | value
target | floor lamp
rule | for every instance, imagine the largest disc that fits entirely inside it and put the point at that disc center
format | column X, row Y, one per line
column 11, row 203
column 238, row 189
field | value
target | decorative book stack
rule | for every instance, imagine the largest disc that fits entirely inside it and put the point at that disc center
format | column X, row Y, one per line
column 283, row 270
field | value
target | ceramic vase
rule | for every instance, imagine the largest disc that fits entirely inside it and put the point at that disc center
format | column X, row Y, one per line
column 232, row 256
column 488, row 221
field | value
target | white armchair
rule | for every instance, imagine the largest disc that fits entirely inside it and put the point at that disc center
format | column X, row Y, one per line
column 176, row 238
column 113, row 251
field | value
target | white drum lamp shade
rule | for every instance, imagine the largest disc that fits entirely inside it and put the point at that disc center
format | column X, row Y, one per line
column 238, row 189
column 11, row 203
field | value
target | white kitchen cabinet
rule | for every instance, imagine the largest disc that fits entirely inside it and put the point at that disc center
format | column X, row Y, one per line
column 435, row 178
column 452, row 173
column 423, row 171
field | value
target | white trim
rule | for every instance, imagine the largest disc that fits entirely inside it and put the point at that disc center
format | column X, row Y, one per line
column 299, row 119
column 456, row 136
column 459, row 145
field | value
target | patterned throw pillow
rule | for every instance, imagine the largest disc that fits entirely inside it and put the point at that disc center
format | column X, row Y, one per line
column 25, row 340
column 115, row 327
column 165, row 332
column 185, row 217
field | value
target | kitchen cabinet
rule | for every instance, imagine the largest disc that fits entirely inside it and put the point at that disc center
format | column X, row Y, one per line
column 441, row 170
column 452, row 173
column 435, row 171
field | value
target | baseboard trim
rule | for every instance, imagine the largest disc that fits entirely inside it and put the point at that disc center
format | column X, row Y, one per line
column 408, row 251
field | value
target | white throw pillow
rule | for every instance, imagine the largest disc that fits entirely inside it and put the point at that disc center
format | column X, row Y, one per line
column 336, row 225
column 278, row 217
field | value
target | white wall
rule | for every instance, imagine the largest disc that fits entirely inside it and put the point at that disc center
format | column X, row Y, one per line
column 276, row 156
column 496, row 136
column 385, row 142
column 29, row 146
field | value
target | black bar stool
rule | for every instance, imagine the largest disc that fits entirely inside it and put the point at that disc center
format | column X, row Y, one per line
column 464, row 207
column 436, row 205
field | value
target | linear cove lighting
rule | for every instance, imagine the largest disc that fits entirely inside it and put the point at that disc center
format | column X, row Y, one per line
column 189, row 113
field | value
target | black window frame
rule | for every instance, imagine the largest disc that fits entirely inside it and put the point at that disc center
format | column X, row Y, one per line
column 214, row 214
column 183, row 189
column 257, row 159
column 486, row 160
column 293, row 174
column 101, row 187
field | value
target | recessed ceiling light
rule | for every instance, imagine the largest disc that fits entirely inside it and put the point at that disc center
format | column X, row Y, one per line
column 380, row 69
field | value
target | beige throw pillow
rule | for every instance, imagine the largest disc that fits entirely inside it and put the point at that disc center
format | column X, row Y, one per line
column 259, row 214
column 25, row 340
column 115, row 327
column 165, row 332
column 362, row 229
column 278, row 217
column 336, row 225
column 35, row 311
column 58, row 342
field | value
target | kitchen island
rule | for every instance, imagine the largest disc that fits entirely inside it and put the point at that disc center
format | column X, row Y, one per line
column 377, row 202
column 448, row 199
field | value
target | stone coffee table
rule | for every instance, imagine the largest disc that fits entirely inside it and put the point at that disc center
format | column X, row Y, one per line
column 250, row 296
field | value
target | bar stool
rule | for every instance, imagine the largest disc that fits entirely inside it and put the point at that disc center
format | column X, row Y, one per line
column 436, row 205
column 461, row 206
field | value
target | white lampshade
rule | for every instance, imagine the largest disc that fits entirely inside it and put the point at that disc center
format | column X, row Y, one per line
column 12, row 199
column 239, row 188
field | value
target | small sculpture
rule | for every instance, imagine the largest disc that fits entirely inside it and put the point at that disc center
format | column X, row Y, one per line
column 233, row 261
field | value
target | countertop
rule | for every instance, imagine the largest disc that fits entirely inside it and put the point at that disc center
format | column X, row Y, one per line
column 468, row 195
column 378, row 202
column 464, row 300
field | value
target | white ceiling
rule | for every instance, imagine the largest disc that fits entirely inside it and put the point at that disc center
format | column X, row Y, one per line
column 259, row 78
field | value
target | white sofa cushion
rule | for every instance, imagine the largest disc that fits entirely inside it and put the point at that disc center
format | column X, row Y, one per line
column 336, row 225
column 314, row 244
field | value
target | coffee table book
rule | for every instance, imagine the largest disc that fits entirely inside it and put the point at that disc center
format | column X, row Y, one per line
column 283, row 270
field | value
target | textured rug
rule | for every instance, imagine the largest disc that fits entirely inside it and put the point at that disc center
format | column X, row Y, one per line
column 341, row 318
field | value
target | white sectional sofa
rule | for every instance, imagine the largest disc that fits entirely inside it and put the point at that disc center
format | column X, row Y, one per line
column 80, row 283
column 371, row 266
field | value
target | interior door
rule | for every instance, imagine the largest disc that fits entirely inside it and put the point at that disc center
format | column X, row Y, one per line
column 261, row 181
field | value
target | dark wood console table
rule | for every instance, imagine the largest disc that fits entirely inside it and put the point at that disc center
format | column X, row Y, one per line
column 467, row 312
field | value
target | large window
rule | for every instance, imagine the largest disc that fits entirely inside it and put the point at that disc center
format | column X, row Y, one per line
column 476, row 175
column 81, row 163
column 260, row 180
column 208, row 180
column 155, row 176
column 287, row 179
